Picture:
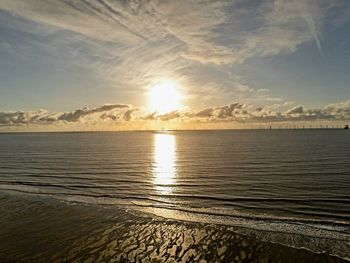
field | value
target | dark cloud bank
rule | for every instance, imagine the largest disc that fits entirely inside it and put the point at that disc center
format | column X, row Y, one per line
column 122, row 113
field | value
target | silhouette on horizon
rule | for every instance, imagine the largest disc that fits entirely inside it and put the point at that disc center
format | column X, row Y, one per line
column 346, row 127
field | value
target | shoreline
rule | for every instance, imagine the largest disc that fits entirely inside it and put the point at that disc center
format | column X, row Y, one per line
column 41, row 229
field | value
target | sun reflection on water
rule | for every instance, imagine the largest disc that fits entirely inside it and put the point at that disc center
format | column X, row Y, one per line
column 164, row 162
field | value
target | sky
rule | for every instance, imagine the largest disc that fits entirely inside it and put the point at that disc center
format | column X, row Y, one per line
column 98, row 64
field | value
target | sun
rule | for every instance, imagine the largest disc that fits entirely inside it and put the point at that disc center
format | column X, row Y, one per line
column 164, row 97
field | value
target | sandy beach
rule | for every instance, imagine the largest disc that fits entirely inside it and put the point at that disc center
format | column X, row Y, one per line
column 41, row 229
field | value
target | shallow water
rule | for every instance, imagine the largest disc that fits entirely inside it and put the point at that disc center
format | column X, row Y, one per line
column 280, row 181
column 71, row 232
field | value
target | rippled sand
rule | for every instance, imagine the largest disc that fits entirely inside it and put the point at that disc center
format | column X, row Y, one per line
column 38, row 229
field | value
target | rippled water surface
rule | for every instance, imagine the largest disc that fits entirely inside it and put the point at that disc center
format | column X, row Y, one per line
column 283, row 180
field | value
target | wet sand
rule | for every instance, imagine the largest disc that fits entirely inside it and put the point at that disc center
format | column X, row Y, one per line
column 41, row 229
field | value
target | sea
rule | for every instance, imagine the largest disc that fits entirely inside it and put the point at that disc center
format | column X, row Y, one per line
column 290, row 187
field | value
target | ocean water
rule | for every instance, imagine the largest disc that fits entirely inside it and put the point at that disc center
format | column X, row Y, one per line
column 285, row 186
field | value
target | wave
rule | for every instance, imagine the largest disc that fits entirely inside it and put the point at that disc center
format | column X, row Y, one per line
column 345, row 200
column 170, row 199
column 318, row 235
column 154, row 201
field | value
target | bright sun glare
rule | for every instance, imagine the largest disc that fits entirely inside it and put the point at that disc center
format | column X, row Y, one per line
column 164, row 97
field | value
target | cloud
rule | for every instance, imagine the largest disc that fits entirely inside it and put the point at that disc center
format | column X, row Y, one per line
column 80, row 113
column 132, row 44
column 304, row 9
column 218, row 32
column 242, row 113
column 42, row 117
column 170, row 116
column 128, row 114
column 124, row 113
column 337, row 111
column 340, row 108
column 296, row 110
column 22, row 118
column 239, row 112
column 206, row 113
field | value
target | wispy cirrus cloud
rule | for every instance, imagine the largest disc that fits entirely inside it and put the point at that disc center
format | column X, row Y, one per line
column 126, row 46
column 131, row 43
